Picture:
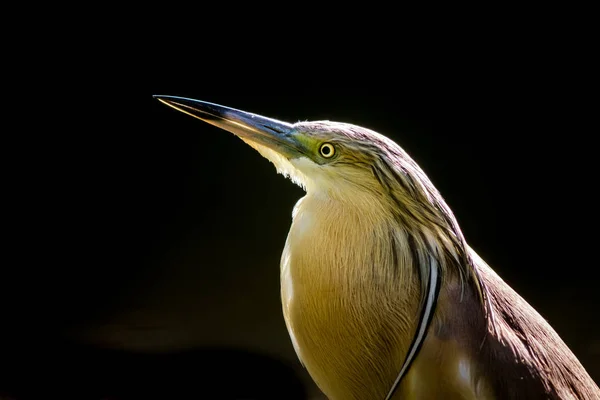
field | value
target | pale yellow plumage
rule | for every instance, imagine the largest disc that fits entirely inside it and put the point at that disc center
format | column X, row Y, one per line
column 348, row 344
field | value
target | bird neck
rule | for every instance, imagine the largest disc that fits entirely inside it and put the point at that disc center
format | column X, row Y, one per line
column 341, row 239
column 328, row 211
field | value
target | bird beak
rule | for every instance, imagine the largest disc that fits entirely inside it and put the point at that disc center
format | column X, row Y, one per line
column 274, row 134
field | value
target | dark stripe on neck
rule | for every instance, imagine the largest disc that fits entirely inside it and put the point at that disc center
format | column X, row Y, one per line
column 425, row 318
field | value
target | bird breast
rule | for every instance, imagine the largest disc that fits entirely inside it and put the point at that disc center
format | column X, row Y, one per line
column 350, row 321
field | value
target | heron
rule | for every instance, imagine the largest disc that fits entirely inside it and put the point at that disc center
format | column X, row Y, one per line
column 382, row 296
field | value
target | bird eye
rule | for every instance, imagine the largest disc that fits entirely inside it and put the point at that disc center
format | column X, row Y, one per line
column 327, row 150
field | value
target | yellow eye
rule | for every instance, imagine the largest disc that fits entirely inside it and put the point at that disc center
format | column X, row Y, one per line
column 327, row 150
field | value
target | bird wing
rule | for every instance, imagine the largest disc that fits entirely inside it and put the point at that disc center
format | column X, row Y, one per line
column 523, row 355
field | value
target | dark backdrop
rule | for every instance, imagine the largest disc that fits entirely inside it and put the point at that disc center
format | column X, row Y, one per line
column 145, row 255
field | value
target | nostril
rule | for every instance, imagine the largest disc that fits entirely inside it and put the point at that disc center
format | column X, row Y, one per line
column 273, row 128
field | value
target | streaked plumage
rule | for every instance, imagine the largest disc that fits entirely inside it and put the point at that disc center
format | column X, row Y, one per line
column 375, row 270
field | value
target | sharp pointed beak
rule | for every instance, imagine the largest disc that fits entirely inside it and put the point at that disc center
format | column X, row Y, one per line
column 274, row 134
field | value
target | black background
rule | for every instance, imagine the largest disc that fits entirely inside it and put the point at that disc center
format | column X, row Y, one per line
column 144, row 260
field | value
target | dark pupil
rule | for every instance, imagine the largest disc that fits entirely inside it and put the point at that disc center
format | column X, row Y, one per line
column 326, row 150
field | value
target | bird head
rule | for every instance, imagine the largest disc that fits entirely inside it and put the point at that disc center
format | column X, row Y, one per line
column 320, row 156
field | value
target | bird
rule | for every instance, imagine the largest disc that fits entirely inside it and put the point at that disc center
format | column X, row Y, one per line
column 381, row 295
